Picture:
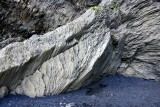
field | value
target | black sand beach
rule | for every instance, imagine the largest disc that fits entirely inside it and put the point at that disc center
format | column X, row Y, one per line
column 113, row 91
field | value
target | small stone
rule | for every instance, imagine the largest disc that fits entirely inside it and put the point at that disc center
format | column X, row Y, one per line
column 89, row 91
column 70, row 105
column 3, row 91
column 102, row 85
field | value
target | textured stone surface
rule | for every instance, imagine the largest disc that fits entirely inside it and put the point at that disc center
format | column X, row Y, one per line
column 62, row 60
column 82, row 51
column 3, row 91
column 77, row 66
column 141, row 25
column 20, row 19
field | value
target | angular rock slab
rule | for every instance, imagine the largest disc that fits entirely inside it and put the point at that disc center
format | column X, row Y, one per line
column 65, row 59
column 71, row 69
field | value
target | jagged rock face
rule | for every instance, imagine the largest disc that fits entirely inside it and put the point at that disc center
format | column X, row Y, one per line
column 141, row 25
column 82, row 51
column 20, row 19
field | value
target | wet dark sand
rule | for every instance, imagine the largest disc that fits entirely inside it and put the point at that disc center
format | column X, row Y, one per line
column 113, row 91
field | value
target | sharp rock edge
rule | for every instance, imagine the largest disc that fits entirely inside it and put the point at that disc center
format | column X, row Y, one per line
column 62, row 60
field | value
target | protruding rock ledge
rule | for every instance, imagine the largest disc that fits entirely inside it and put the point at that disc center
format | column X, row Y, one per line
column 64, row 59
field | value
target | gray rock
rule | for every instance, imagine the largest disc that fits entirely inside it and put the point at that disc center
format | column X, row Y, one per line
column 122, row 37
column 62, row 60
column 3, row 91
column 23, row 18
column 70, row 105
column 140, row 23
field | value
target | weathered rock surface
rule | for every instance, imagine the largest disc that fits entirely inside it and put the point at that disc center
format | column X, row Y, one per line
column 20, row 19
column 82, row 51
column 62, row 60
column 3, row 91
column 141, row 25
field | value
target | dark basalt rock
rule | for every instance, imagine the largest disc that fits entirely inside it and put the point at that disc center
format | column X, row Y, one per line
column 22, row 19
column 17, row 21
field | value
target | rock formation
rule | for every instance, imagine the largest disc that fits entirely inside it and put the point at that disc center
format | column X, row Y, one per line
column 118, row 37
column 140, row 23
column 20, row 19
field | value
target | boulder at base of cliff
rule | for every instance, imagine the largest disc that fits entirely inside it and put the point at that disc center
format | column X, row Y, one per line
column 3, row 91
